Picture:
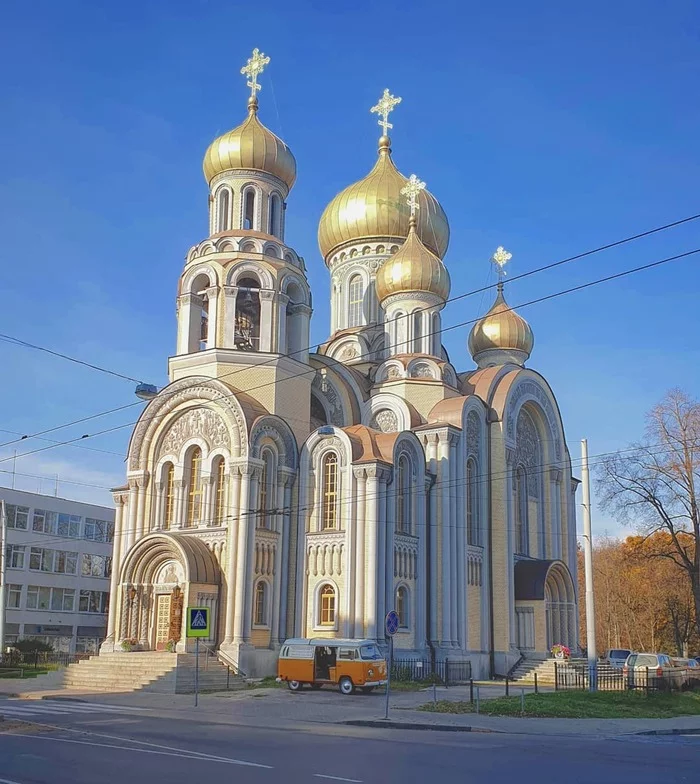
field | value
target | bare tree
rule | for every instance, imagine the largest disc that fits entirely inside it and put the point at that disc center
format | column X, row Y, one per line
column 654, row 485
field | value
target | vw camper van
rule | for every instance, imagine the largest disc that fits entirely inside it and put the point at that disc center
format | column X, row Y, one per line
column 349, row 664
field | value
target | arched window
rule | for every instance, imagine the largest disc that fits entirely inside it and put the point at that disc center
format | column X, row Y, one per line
column 355, row 301
column 260, row 606
column 327, row 606
column 417, row 342
column 220, row 495
column 249, row 209
column 224, row 212
column 472, row 504
column 274, row 215
column 204, row 324
column 267, row 490
column 329, row 505
column 521, row 521
column 402, row 609
column 195, row 491
column 403, row 496
column 247, row 325
column 168, row 494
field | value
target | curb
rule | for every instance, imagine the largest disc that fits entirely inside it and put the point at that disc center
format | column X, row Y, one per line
column 690, row 731
column 405, row 725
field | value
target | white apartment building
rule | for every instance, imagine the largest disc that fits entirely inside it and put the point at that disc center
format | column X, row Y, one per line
column 59, row 563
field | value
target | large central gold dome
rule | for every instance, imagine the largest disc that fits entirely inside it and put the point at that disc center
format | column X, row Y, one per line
column 251, row 146
column 373, row 208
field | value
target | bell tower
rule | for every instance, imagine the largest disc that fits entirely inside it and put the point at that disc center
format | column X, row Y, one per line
column 244, row 303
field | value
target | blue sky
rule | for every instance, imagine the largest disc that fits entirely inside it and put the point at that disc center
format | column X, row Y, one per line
column 546, row 127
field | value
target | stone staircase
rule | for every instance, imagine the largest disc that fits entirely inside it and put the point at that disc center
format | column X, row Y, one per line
column 167, row 673
column 525, row 672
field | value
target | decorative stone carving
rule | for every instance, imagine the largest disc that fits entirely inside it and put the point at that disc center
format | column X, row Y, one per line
column 349, row 352
column 202, row 422
column 385, row 420
column 392, row 373
column 530, row 388
column 473, row 430
column 323, row 388
column 422, row 370
column 528, row 452
column 275, row 430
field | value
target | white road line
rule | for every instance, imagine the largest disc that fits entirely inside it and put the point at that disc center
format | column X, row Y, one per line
column 336, row 778
column 7, row 781
column 194, row 756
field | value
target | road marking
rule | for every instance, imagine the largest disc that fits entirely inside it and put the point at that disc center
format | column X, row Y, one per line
column 7, row 781
column 336, row 778
column 194, row 755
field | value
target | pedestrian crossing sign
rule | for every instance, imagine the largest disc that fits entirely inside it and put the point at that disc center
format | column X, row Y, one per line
column 198, row 621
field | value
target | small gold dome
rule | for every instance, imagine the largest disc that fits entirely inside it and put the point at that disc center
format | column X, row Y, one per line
column 413, row 268
column 250, row 146
column 373, row 208
column 501, row 328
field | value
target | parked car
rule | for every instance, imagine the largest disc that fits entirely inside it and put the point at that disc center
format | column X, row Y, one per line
column 616, row 657
column 692, row 670
column 656, row 670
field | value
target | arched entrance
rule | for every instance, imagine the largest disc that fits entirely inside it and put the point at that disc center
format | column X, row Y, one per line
column 545, row 606
column 560, row 607
column 162, row 574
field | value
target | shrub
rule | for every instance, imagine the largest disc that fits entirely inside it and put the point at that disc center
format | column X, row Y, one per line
column 32, row 645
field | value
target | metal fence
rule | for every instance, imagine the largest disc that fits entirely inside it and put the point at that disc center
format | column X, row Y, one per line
column 37, row 659
column 575, row 676
column 446, row 672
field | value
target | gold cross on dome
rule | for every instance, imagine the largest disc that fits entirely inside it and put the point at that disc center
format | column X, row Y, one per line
column 411, row 190
column 384, row 107
column 500, row 258
column 256, row 65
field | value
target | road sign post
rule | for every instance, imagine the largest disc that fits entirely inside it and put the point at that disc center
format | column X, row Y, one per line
column 391, row 626
column 198, row 625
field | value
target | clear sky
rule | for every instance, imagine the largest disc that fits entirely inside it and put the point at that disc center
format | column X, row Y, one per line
column 547, row 127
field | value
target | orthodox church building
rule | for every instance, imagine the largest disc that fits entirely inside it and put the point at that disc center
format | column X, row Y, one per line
column 306, row 494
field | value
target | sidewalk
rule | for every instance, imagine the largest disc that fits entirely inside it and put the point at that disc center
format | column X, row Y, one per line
column 280, row 709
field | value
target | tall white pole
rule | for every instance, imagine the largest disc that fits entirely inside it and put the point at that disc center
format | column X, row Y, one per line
column 588, row 566
column 3, row 573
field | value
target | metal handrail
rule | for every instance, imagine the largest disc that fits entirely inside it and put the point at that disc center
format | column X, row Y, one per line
column 223, row 657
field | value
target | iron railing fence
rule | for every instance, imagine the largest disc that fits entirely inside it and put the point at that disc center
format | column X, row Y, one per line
column 574, row 675
column 446, row 672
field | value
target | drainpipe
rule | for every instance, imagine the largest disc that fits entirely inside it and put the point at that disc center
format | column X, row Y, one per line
column 428, row 574
column 492, row 635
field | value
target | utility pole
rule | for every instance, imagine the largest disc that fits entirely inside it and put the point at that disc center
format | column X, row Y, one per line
column 3, row 574
column 588, row 567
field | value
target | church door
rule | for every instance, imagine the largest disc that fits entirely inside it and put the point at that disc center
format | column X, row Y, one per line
column 162, row 621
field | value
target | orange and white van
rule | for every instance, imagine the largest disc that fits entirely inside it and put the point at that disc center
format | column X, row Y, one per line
column 349, row 664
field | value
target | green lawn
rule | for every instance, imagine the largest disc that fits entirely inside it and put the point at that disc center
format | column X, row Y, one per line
column 27, row 671
column 583, row 705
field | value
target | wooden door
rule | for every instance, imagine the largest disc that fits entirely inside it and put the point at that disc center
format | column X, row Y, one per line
column 162, row 621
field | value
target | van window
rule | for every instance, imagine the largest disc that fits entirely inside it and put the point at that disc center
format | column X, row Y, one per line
column 346, row 653
column 618, row 653
column 285, row 652
column 646, row 660
column 370, row 652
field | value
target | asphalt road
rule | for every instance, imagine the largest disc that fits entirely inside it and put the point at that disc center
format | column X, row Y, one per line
column 139, row 748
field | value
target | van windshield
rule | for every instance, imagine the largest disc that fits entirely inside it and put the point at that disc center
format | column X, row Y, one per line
column 370, row 652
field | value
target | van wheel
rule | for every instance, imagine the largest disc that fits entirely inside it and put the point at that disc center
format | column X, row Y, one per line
column 367, row 689
column 294, row 685
column 346, row 686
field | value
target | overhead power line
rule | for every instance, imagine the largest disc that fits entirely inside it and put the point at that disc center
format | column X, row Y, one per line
column 576, row 257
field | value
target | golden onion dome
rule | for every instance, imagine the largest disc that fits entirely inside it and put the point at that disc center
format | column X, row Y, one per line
column 501, row 329
column 251, row 146
column 413, row 268
column 372, row 208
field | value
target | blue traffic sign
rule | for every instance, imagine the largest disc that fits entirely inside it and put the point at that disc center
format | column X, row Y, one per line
column 198, row 622
column 392, row 623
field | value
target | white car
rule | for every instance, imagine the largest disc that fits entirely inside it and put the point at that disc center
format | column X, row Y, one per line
column 616, row 657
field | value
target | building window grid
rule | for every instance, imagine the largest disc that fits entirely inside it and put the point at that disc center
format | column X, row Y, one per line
column 13, row 599
column 98, row 530
column 14, row 554
column 472, row 505
column 17, row 516
column 355, row 301
column 194, row 506
column 93, row 601
column 327, row 606
column 41, row 597
column 260, row 609
column 57, row 523
column 169, row 506
column 220, row 505
column 96, row 565
column 57, row 561
column 330, row 492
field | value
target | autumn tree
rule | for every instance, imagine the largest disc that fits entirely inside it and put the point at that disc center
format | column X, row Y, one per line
column 653, row 486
